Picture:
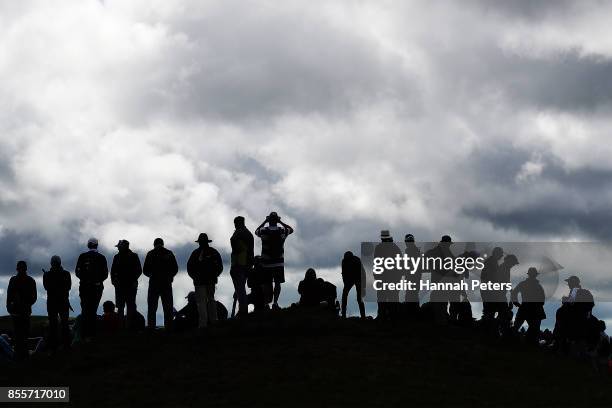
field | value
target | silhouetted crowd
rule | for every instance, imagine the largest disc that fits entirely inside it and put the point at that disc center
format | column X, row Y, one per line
column 575, row 329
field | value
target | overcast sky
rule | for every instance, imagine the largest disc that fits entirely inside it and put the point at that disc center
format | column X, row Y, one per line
column 136, row 119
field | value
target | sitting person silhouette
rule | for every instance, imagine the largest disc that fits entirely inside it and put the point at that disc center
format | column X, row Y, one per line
column 111, row 322
column 309, row 289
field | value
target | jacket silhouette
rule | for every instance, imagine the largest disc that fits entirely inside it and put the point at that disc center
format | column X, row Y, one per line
column 204, row 266
column 92, row 271
column 531, row 309
column 126, row 269
column 91, row 268
column 57, row 282
column 242, row 262
column 309, row 289
column 20, row 296
column 243, row 243
column 125, row 272
column 160, row 267
column 353, row 274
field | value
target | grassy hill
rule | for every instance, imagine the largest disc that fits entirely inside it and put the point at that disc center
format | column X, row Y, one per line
column 37, row 325
column 295, row 358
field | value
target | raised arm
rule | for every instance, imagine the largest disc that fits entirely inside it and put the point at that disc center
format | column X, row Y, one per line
column 288, row 228
column 258, row 229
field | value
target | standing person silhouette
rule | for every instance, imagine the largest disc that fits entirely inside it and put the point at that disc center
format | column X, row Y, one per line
column 353, row 274
column 20, row 296
column 531, row 308
column 160, row 267
column 272, row 250
column 489, row 274
column 204, row 267
column 242, row 262
column 125, row 271
column 57, row 282
column 92, row 271
column 388, row 300
column 411, row 306
column 440, row 298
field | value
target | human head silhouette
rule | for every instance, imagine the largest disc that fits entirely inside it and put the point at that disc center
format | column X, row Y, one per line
column 56, row 261
column 123, row 245
column 385, row 236
column 203, row 239
column 573, row 282
column 310, row 274
column 348, row 255
column 22, row 267
column 446, row 241
column 497, row 253
column 273, row 218
column 92, row 243
column 108, row 307
column 239, row 221
column 158, row 243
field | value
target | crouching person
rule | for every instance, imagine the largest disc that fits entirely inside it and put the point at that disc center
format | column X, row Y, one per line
column 204, row 267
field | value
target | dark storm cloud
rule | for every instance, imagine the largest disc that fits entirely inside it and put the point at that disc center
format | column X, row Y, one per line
column 347, row 118
column 544, row 218
column 527, row 9
column 558, row 201
column 569, row 82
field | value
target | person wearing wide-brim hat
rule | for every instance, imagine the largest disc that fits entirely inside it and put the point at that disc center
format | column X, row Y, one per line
column 531, row 307
column 204, row 267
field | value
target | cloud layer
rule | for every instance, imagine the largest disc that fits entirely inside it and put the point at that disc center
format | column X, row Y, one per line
column 166, row 119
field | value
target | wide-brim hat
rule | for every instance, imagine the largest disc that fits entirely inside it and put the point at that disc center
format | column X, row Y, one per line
column 203, row 237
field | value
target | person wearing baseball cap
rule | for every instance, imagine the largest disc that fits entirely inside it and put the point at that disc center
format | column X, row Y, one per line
column 574, row 314
column 125, row 271
column 204, row 267
column 160, row 267
column 92, row 271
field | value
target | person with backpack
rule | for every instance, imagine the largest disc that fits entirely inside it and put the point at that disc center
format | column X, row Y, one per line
column 57, row 282
column 273, row 238
column 204, row 267
column 92, row 271
column 160, row 267
column 242, row 262
column 20, row 296
column 573, row 315
column 125, row 271
column 353, row 274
